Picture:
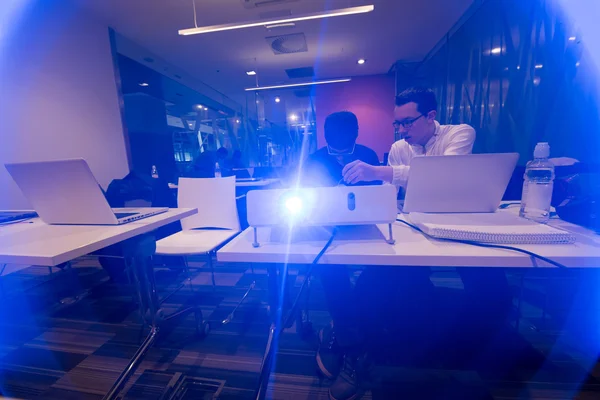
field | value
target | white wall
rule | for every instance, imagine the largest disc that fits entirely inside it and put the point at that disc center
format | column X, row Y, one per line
column 58, row 97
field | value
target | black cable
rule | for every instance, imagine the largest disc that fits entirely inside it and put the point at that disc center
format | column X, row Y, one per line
column 324, row 249
column 292, row 313
column 488, row 245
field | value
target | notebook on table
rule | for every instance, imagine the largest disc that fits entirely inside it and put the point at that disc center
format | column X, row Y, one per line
column 499, row 227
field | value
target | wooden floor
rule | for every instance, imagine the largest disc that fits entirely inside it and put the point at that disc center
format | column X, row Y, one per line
column 53, row 346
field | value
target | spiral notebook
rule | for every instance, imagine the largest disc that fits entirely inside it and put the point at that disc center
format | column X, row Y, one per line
column 499, row 227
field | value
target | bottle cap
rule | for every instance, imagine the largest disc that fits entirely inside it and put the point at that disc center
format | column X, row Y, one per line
column 542, row 150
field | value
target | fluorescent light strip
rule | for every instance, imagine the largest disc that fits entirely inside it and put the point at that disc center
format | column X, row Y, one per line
column 286, row 25
column 297, row 84
column 305, row 17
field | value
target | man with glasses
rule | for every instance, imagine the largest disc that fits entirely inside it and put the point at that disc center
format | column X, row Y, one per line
column 422, row 135
column 324, row 167
column 488, row 296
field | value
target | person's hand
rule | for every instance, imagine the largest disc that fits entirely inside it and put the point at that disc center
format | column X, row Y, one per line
column 358, row 171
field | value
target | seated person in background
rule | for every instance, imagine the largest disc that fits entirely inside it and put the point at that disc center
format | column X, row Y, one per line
column 356, row 311
column 488, row 294
column 236, row 160
column 204, row 165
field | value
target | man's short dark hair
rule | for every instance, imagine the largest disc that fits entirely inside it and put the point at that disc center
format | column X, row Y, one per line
column 425, row 99
column 341, row 130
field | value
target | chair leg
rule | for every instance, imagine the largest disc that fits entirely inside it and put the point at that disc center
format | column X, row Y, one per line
column 212, row 271
column 250, row 288
column 189, row 274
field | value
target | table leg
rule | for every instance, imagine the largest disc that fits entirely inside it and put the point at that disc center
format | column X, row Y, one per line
column 140, row 251
column 279, row 323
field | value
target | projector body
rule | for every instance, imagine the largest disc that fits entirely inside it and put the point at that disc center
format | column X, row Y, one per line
column 327, row 206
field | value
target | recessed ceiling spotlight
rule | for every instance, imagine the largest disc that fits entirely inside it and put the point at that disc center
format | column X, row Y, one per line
column 250, row 73
column 361, row 61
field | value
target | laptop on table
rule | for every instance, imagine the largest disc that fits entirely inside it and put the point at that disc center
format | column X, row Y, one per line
column 66, row 192
column 473, row 183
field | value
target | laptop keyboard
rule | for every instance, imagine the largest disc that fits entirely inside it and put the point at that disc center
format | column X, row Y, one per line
column 11, row 216
column 124, row 215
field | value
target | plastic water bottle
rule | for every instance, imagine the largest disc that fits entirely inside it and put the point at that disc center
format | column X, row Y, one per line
column 217, row 170
column 537, row 186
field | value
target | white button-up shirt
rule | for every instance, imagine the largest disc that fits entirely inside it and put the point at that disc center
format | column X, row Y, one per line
column 447, row 140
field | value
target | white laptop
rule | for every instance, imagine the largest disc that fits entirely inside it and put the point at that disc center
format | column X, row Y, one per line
column 66, row 192
column 473, row 183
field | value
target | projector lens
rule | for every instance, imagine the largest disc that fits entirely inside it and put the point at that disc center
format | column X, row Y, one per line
column 293, row 205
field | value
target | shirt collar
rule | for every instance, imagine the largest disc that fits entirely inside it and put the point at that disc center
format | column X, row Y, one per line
column 423, row 149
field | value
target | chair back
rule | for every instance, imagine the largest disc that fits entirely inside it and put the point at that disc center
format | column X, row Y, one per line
column 215, row 200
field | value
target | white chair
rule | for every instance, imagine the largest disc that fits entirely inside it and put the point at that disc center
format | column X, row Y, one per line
column 213, row 226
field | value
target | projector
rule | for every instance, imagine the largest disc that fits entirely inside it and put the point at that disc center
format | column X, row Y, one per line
column 328, row 206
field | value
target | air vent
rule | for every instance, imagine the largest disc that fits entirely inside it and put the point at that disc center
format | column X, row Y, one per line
column 303, row 72
column 263, row 3
column 275, row 14
column 288, row 44
column 303, row 92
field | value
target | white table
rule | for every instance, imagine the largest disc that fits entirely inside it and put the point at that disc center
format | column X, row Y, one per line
column 243, row 184
column 258, row 183
column 366, row 245
column 34, row 242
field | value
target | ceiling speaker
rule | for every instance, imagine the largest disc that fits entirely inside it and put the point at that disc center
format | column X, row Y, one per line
column 288, row 44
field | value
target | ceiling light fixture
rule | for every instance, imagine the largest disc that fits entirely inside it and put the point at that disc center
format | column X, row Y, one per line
column 144, row 84
column 250, row 73
column 205, row 108
column 277, row 99
column 361, row 61
column 539, row 66
column 496, row 50
column 572, row 38
column 286, row 25
column 265, row 22
column 199, row 106
column 297, row 84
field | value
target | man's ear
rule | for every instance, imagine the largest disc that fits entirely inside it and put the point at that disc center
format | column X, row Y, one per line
column 431, row 115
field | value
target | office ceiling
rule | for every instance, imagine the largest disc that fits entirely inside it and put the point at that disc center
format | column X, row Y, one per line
column 397, row 30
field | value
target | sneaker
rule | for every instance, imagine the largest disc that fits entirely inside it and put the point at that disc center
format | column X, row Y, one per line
column 346, row 385
column 329, row 356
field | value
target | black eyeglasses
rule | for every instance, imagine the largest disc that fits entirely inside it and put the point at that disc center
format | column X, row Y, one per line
column 407, row 123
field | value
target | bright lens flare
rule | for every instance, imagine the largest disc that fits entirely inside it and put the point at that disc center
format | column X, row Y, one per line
column 293, row 205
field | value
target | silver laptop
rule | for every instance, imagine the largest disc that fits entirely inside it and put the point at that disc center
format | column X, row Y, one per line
column 66, row 192
column 458, row 184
